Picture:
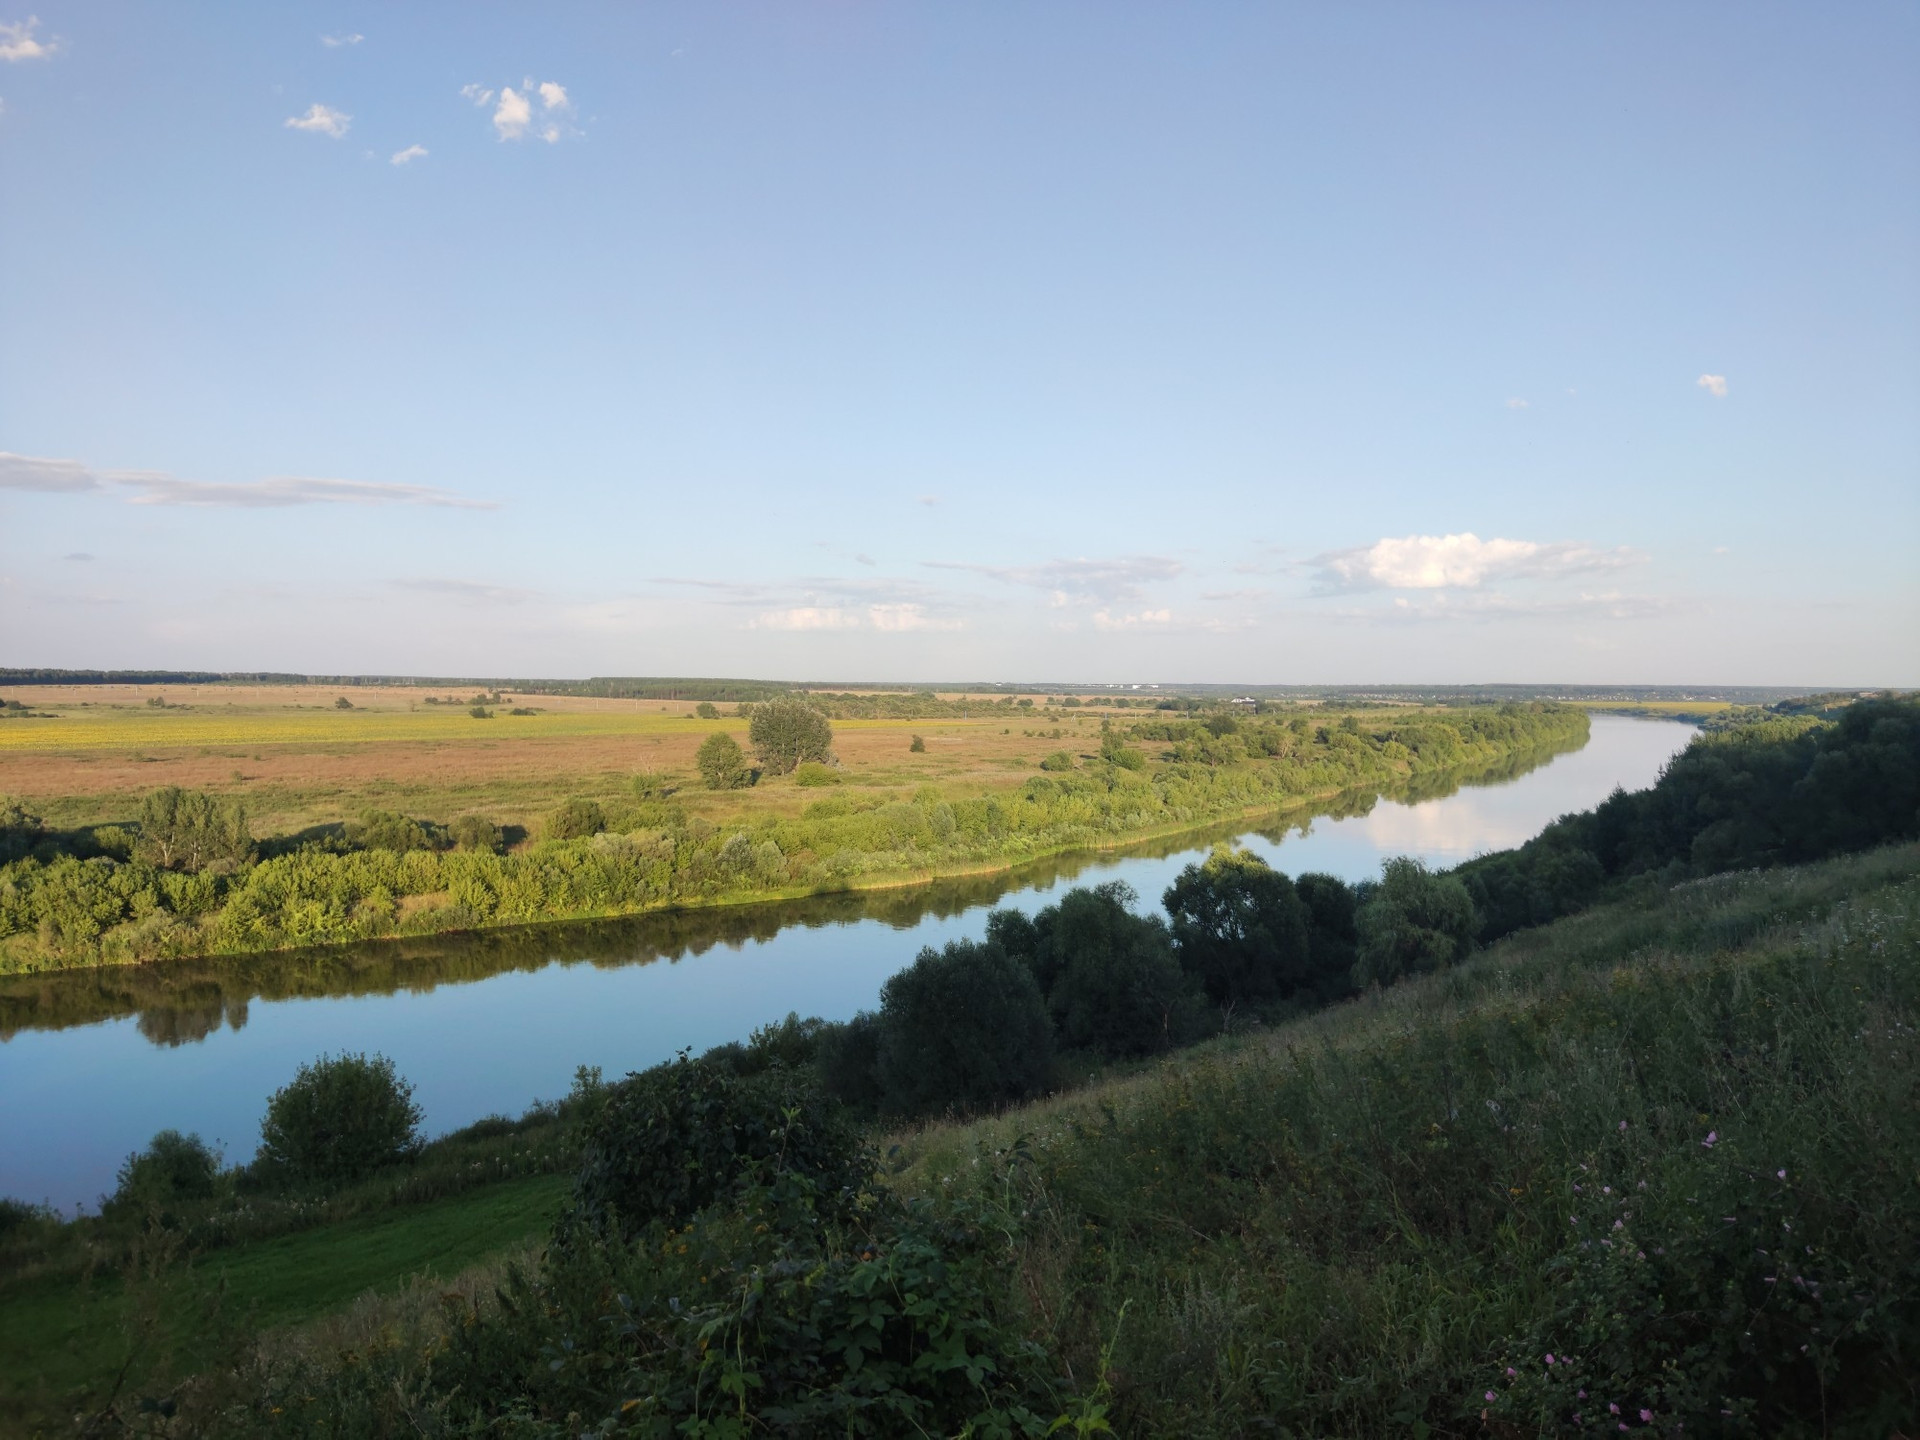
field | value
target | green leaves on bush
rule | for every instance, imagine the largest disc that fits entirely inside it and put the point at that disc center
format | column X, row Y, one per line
column 173, row 1168
column 1058, row 760
column 671, row 1141
column 722, row 763
column 192, row 830
column 340, row 1118
column 1240, row 929
column 786, row 733
column 575, row 820
column 474, row 832
column 813, row 774
column 962, row 1028
column 1413, row 921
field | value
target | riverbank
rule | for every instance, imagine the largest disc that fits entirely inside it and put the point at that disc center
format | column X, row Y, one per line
column 656, row 852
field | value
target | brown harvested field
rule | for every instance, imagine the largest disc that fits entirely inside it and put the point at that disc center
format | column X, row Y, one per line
column 298, row 760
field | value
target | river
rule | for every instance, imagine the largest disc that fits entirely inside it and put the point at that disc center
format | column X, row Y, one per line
column 93, row 1063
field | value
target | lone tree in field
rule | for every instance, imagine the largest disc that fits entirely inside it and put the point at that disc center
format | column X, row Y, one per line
column 723, row 764
column 192, row 830
column 786, row 733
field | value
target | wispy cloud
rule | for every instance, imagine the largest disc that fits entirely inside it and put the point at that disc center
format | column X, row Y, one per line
column 321, row 120
column 468, row 590
column 1487, row 606
column 1079, row 581
column 336, row 42
column 156, row 487
column 514, row 110
column 279, row 491
column 17, row 40
column 30, row 472
column 1714, row 385
column 1433, row 562
column 411, row 153
column 808, row 617
column 77, row 555
column 1516, row 403
column 1106, row 620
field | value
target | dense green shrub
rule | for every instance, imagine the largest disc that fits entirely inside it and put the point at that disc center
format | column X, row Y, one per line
column 707, row 710
column 1332, row 940
column 192, row 830
column 1413, row 921
column 384, row 830
column 474, row 832
column 962, row 1028
column 20, row 830
column 786, row 733
column 173, row 1169
column 813, row 774
column 574, row 820
column 673, row 1140
column 340, row 1118
column 849, row 1062
column 721, row 762
column 1057, row 760
column 1240, row 929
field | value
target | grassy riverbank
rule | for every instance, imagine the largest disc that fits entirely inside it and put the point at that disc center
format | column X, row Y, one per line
column 1352, row 1223
column 90, row 894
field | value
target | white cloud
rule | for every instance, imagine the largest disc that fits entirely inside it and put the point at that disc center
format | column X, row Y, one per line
column 513, row 110
column 468, row 590
column 412, row 152
column 513, row 115
column 17, row 41
column 1516, row 403
column 478, row 94
column 808, row 617
column 30, row 472
column 1104, row 620
column 279, row 491
column 1714, row 385
column 907, row 617
column 1078, row 581
column 335, row 42
column 554, row 97
column 1432, row 562
column 321, row 120
column 77, row 555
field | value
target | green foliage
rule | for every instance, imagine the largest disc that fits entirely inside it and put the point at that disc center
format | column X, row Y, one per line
column 20, row 830
column 722, row 763
column 672, row 1141
column 480, row 712
column 1413, row 921
column 1240, row 929
column 384, row 830
column 173, row 1170
column 962, row 1028
column 1058, row 760
column 574, row 819
column 813, row 775
column 342, row 703
column 1110, row 978
column 848, row 1057
column 707, row 710
column 1116, row 751
column 342, row 1117
column 474, row 832
column 786, row 733
column 1333, row 942
column 192, row 830
column 919, row 746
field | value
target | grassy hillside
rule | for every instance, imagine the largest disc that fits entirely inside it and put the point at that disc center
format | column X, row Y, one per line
column 1671, row 1141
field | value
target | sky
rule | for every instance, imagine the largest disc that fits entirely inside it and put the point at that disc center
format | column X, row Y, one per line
column 1109, row 342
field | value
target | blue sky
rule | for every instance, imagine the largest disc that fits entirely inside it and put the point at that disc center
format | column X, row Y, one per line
column 1307, row 343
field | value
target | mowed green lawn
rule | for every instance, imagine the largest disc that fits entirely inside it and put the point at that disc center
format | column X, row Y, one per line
column 63, row 1338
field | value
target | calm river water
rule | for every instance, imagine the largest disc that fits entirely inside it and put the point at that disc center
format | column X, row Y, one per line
column 92, row 1064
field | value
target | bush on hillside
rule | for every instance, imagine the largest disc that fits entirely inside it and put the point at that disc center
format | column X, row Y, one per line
column 813, row 775
column 669, row 1142
column 1332, row 940
column 1413, row 922
column 1239, row 928
column 962, row 1028
column 474, row 832
column 384, row 830
column 787, row 733
column 342, row 1117
column 173, row 1168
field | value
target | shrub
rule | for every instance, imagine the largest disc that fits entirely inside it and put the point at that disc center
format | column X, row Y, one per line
column 340, row 1118
column 575, row 819
column 192, row 830
column 671, row 1141
column 722, row 764
column 848, row 1058
column 1332, row 941
column 1240, row 929
column 480, row 712
column 961, row 1028
column 1058, row 760
column 787, row 732
column 707, row 710
column 918, row 747
column 1413, row 922
column 474, row 832
column 19, row 830
column 384, row 830
column 813, row 775
column 173, row 1167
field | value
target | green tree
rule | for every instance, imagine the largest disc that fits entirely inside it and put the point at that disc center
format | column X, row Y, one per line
column 707, row 710
column 1332, row 940
column 173, row 1167
column 1240, row 929
column 1058, row 760
column 962, row 1028
column 384, row 830
column 786, row 732
column 20, row 830
column 192, row 830
column 474, row 832
column 919, row 746
column 1414, row 921
column 340, row 1118
column 575, row 819
column 722, row 763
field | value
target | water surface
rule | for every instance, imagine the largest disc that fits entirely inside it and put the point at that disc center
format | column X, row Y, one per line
column 93, row 1063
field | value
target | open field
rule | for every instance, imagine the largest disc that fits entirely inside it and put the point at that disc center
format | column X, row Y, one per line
column 298, row 761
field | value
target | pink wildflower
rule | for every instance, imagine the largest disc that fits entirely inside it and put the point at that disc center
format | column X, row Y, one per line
column 1646, row 1417
column 1491, row 1396
column 1712, row 1137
